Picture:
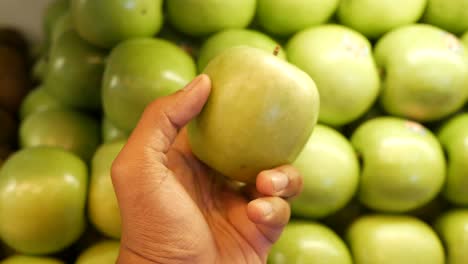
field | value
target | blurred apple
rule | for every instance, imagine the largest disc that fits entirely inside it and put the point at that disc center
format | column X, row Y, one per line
column 339, row 60
column 202, row 18
column 449, row 15
column 309, row 242
column 284, row 18
column 235, row 37
column 70, row 130
column 110, row 132
column 139, row 71
column 39, row 68
column 23, row 259
column 75, row 72
column 393, row 239
column 42, row 200
column 260, row 113
column 375, row 18
column 53, row 11
column 453, row 135
column 38, row 100
column 103, row 252
column 63, row 24
column 103, row 208
column 330, row 170
column 452, row 227
column 105, row 23
column 403, row 164
column 464, row 39
column 425, row 72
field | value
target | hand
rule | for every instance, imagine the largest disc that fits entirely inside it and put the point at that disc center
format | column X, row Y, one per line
column 175, row 209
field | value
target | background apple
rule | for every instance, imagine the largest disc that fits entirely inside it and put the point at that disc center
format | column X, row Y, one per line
column 139, row 71
column 330, row 170
column 23, row 259
column 110, row 132
column 403, row 164
column 425, row 72
column 449, row 15
column 43, row 194
column 284, row 18
column 255, row 97
column 105, row 23
column 339, row 60
column 38, row 100
column 309, row 242
column 103, row 252
column 452, row 227
column 63, row 24
column 39, row 69
column 201, row 18
column 53, row 11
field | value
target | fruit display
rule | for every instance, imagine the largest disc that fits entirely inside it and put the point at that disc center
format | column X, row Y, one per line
column 367, row 99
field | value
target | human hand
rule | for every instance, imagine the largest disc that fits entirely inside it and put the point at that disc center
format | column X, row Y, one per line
column 175, row 209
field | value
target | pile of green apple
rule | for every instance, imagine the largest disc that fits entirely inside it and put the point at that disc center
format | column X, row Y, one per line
column 368, row 99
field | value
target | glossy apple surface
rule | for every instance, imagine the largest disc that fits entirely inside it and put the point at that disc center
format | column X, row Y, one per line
column 449, row 15
column 38, row 100
column 403, row 164
column 110, row 132
column 43, row 195
column 20, row 259
column 452, row 227
column 104, row 252
column 260, row 113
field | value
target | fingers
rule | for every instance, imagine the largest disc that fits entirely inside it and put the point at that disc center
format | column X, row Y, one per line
column 284, row 181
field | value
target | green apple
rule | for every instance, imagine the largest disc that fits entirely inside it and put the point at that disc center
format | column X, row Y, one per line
column 464, row 39
column 449, row 15
column 403, row 164
column 139, row 71
column 330, row 170
column 103, row 252
column 105, row 23
column 53, row 11
column 425, row 72
column 235, row 37
column 201, row 18
column 260, row 113
column 103, row 208
column 23, row 259
column 340, row 61
column 39, row 68
column 63, row 24
column 309, row 242
column 73, row 131
column 453, row 135
column 42, row 200
column 110, row 132
column 284, row 18
column 375, row 18
column 452, row 227
column 393, row 239
column 38, row 100
column 75, row 72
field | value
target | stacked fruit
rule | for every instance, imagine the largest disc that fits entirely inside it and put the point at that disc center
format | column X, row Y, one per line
column 385, row 169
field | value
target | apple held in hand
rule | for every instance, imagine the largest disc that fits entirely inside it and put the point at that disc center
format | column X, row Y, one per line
column 104, row 252
column 449, row 15
column 260, row 113
column 23, row 259
column 105, row 23
column 403, row 164
column 42, row 200
column 452, row 227
column 137, row 72
column 339, row 60
column 38, row 100
column 425, row 72
column 397, row 239
column 330, row 171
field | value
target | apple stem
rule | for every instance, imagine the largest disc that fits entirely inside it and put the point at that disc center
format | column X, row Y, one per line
column 277, row 50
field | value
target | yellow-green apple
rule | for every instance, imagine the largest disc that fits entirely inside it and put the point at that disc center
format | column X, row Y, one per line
column 139, row 71
column 330, row 169
column 63, row 24
column 39, row 69
column 403, row 164
column 449, row 15
column 53, row 11
column 452, row 228
column 38, row 100
column 103, row 252
column 110, row 132
column 340, row 61
column 425, row 72
column 464, row 39
column 42, row 200
column 24, row 259
column 260, row 113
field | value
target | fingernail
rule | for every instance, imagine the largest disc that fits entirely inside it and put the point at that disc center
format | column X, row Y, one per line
column 193, row 83
column 280, row 181
column 266, row 207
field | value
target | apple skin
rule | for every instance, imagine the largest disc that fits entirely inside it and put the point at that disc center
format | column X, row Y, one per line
column 75, row 72
column 259, row 115
column 23, row 259
column 103, row 208
column 70, row 130
column 449, row 15
column 309, row 242
column 426, row 72
column 284, row 18
column 340, row 61
column 43, row 203
column 110, row 132
column 139, row 71
column 393, row 239
column 453, row 135
column 403, row 164
column 330, row 170
column 38, row 100
column 202, row 18
column 103, row 252
column 106, row 23
column 235, row 37
column 464, row 39
column 53, row 11
column 452, row 227
column 375, row 18
column 39, row 69
column 63, row 24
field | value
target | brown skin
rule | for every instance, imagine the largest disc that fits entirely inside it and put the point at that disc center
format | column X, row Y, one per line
column 175, row 209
